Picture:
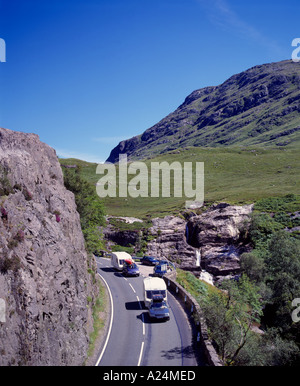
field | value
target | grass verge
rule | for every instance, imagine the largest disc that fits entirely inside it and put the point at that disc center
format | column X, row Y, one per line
column 99, row 320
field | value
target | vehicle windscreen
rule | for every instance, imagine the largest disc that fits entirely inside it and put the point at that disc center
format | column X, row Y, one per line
column 159, row 305
column 163, row 267
column 155, row 292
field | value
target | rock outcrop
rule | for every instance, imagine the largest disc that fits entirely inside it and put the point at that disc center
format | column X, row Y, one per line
column 169, row 241
column 218, row 233
column 44, row 281
column 212, row 241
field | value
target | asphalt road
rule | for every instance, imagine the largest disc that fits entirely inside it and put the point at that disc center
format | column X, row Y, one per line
column 133, row 340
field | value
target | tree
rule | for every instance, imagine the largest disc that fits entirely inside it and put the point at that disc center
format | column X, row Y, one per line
column 90, row 209
column 93, row 239
column 254, row 266
column 261, row 229
column 230, row 315
column 283, row 267
column 219, row 322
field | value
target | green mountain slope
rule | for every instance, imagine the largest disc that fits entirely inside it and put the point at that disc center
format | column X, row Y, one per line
column 232, row 175
column 258, row 107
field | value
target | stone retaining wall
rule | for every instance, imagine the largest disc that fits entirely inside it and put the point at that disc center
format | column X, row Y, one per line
column 194, row 312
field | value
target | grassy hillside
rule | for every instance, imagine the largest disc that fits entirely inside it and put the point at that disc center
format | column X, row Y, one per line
column 235, row 175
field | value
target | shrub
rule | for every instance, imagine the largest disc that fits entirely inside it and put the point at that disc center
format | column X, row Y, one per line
column 290, row 202
column 262, row 228
column 20, row 235
column 10, row 264
column 57, row 215
column 13, row 243
column 253, row 266
column 5, row 186
column 89, row 207
column 93, row 240
column 4, row 213
column 27, row 194
column 17, row 187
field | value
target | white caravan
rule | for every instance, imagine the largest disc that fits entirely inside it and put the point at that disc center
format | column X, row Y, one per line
column 118, row 259
column 154, row 286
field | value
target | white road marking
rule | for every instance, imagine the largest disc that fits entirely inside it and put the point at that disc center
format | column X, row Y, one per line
column 110, row 324
column 141, row 353
column 140, row 304
column 143, row 324
column 132, row 288
column 111, row 321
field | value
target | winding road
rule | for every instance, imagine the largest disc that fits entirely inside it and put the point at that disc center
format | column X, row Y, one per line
column 132, row 339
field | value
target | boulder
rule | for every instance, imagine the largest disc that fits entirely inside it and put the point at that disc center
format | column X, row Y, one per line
column 218, row 233
column 211, row 240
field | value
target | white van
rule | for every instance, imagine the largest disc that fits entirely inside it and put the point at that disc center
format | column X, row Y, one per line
column 154, row 286
column 118, row 259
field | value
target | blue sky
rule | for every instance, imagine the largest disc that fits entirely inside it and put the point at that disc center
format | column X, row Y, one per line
column 85, row 74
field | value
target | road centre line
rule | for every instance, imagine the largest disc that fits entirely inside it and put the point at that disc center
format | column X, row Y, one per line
column 132, row 288
column 143, row 324
column 111, row 322
column 140, row 304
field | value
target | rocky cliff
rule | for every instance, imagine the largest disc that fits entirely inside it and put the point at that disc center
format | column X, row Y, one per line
column 219, row 233
column 258, row 106
column 212, row 241
column 169, row 241
column 44, row 279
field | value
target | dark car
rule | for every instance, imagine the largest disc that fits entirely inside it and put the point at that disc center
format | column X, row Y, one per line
column 130, row 269
column 158, row 308
column 149, row 260
column 160, row 270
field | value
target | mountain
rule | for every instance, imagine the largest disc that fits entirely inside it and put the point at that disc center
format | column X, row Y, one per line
column 259, row 106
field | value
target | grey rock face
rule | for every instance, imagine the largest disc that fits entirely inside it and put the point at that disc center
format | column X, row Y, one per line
column 43, row 263
column 170, row 241
column 211, row 239
column 217, row 232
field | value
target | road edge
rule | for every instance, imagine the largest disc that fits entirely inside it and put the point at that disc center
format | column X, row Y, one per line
column 103, row 337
